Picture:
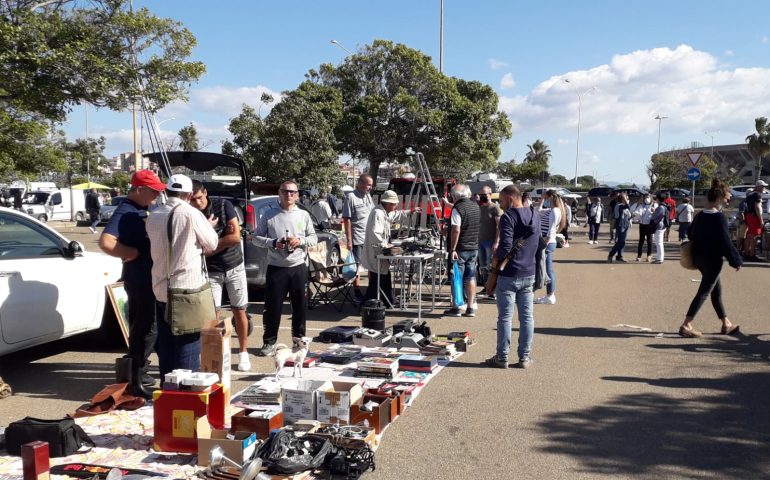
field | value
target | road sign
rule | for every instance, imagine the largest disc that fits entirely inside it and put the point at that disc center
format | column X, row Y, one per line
column 693, row 174
column 695, row 158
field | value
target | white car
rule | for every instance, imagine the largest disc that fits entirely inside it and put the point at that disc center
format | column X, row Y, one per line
column 739, row 191
column 563, row 193
column 50, row 288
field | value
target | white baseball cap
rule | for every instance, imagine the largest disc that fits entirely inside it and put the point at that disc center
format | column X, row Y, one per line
column 389, row 196
column 760, row 183
column 179, row 183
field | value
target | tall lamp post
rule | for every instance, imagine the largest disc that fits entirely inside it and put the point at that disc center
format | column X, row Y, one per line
column 660, row 120
column 580, row 105
column 710, row 133
column 335, row 42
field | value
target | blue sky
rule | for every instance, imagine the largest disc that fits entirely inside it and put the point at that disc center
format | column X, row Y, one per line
column 703, row 64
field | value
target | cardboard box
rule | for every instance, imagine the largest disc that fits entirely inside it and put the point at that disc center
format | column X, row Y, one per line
column 378, row 418
column 398, row 397
column 393, row 413
column 176, row 414
column 298, row 400
column 242, row 422
column 334, row 402
column 239, row 449
column 215, row 352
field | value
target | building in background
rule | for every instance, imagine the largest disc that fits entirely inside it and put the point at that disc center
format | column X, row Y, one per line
column 732, row 160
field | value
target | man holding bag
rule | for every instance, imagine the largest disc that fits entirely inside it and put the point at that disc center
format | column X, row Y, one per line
column 514, row 267
column 180, row 236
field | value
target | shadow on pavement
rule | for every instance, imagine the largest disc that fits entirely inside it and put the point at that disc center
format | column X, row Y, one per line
column 722, row 434
column 747, row 347
column 594, row 332
column 64, row 381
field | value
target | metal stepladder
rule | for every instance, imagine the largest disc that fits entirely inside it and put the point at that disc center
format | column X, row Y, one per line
column 421, row 188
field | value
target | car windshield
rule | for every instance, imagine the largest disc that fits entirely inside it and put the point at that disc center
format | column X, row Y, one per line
column 117, row 200
column 36, row 198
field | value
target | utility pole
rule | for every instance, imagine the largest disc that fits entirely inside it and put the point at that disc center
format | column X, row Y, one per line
column 441, row 40
column 660, row 120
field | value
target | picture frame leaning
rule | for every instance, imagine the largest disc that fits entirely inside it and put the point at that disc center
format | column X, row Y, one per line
column 119, row 300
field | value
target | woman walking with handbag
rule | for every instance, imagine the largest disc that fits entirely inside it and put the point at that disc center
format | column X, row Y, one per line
column 711, row 243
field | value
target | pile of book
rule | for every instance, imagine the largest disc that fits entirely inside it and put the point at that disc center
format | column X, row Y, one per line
column 378, row 367
column 443, row 348
column 417, row 363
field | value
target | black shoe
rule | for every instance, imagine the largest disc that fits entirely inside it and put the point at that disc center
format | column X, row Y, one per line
column 266, row 350
column 620, row 260
column 469, row 312
column 148, row 380
column 453, row 312
column 136, row 388
column 609, row 258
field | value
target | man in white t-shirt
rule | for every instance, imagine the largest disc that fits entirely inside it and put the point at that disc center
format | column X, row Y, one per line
column 684, row 213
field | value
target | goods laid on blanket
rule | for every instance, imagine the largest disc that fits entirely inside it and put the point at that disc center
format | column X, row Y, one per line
column 325, row 418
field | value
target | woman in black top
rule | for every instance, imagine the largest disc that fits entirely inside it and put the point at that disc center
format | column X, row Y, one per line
column 711, row 243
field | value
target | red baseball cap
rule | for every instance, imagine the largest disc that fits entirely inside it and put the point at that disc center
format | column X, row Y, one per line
column 147, row 178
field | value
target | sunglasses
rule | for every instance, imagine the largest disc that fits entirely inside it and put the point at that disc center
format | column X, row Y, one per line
column 289, row 192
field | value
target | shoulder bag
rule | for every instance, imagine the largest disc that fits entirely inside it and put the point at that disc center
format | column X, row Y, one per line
column 517, row 245
column 64, row 436
column 187, row 309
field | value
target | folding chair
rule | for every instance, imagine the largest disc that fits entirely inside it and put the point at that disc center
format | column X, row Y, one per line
column 327, row 282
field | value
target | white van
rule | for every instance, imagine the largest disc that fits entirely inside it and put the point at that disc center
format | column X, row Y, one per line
column 56, row 205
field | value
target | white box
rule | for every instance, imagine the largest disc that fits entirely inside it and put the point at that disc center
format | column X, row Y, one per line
column 299, row 400
column 333, row 402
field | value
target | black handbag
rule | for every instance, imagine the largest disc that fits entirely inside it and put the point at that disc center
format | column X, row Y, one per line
column 64, row 436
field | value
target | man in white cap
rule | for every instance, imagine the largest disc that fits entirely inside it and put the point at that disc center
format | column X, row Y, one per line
column 378, row 237
column 192, row 236
column 753, row 220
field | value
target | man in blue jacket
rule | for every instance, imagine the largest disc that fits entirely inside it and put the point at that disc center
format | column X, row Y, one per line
column 519, row 238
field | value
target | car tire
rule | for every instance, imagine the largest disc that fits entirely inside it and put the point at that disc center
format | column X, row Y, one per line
column 79, row 217
column 42, row 218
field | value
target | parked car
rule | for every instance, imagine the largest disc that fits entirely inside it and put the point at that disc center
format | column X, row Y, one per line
column 219, row 174
column 256, row 257
column 600, row 192
column 50, row 288
column 106, row 211
column 563, row 193
column 675, row 193
column 633, row 193
column 739, row 191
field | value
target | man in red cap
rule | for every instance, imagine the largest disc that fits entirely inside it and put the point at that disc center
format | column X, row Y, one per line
column 125, row 237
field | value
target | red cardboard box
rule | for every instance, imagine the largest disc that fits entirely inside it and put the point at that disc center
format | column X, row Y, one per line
column 176, row 413
column 399, row 398
column 378, row 418
column 241, row 422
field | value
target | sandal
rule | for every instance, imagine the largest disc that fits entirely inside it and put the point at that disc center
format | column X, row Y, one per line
column 731, row 330
column 689, row 333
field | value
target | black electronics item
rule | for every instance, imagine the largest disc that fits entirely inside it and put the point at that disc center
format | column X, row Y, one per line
column 405, row 326
column 339, row 334
column 424, row 330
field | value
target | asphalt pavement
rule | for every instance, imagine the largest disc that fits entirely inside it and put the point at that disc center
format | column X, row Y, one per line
column 613, row 392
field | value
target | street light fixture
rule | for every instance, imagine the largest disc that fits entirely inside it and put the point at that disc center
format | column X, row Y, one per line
column 335, row 42
column 711, row 133
column 580, row 105
column 660, row 120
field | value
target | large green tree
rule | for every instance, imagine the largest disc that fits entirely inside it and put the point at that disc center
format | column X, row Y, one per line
column 59, row 53
column 667, row 171
column 394, row 98
column 539, row 152
column 759, row 143
column 86, row 156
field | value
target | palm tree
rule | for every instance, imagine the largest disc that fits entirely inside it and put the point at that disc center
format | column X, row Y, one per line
column 759, row 143
column 538, row 152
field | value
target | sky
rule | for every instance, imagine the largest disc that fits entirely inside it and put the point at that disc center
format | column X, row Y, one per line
column 705, row 65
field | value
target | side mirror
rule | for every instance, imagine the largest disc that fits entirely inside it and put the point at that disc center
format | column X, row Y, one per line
column 74, row 249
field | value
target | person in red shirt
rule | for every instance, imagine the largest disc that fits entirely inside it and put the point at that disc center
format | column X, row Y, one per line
column 671, row 203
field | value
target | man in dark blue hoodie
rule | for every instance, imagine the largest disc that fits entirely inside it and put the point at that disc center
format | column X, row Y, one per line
column 519, row 231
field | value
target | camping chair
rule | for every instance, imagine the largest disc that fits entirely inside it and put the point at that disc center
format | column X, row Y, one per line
column 327, row 282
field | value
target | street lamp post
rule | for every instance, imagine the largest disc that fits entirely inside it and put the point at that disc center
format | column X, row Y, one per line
column 660, row 120
column 580, row 105
column 710, row 133
column 335, row 42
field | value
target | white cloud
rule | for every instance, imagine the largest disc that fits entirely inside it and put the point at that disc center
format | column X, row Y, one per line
column 228, row 101
column 686, row 85
column 507, row 81
column 765, row 39
column 495, row 64
column 563, row 141
column 729, row 53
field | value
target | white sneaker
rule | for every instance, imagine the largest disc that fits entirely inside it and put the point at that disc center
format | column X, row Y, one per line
column 244, row 365
column 546, row 300
column 93, row 230
column 475, row 305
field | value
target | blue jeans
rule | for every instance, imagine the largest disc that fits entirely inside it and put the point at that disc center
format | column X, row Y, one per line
column 175, row 351
column 620, row 243
column 593, row 231
column 485, row 259
column 683, row 226
column 551, row 289
column 510, row 292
